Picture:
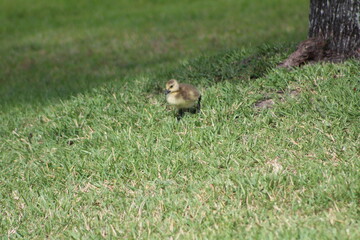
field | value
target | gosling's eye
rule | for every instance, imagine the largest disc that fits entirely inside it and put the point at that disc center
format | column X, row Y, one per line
column 171, row 86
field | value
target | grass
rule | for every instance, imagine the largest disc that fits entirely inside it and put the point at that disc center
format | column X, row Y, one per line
column 111, row 161
column 53, row 50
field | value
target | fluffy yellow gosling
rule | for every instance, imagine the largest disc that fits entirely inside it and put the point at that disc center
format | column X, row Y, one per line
column 185, row 97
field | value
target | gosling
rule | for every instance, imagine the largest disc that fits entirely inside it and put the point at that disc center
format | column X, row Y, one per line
column 185, row 97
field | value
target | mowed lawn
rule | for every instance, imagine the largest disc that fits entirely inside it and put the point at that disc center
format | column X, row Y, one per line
column 55, row 49
column 89, row 149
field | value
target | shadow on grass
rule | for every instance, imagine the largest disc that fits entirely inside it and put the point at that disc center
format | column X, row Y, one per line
column 233, row 65
column 40, row 82
column 35, row 82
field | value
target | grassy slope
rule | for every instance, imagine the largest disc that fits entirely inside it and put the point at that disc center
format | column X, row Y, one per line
column 52, row 50
column 114, row 162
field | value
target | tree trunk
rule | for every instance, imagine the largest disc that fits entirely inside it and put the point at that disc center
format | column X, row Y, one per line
column 334, row 33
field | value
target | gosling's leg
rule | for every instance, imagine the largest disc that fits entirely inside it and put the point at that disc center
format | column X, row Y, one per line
column 193, row 110
column 180, row 114
column 198, row 107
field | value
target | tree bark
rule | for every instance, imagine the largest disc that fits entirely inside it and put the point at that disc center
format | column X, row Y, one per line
column 334, row 33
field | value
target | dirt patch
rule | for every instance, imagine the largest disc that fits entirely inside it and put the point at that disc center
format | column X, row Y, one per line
column 267, row 103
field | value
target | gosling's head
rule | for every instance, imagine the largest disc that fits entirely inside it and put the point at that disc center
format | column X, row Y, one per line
column 172, row 86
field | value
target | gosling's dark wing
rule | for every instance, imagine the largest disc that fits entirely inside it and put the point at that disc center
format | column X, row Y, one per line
column 189, row 92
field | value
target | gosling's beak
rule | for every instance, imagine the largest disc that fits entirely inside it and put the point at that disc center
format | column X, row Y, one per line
column 166, row 92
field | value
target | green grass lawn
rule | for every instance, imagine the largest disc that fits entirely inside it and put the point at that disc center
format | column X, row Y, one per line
column 56, row 49
column 89, row 150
